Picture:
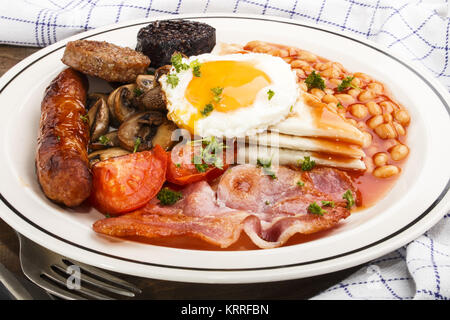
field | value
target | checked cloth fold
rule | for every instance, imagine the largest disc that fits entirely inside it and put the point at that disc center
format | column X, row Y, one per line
column 419, row 30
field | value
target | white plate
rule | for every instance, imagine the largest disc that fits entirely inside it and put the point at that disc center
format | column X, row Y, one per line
column 418, row 200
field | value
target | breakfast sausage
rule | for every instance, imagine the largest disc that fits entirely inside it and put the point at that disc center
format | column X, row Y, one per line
column 62, row 163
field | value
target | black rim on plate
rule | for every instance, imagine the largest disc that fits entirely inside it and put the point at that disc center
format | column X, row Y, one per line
column 431, row 207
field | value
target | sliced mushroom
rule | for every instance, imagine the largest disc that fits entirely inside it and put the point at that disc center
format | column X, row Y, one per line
column 151, row 97
column 105, row 154
column 98, row 116
column 162, row 70
column 92, row 98
column 144, row 82
column 112, row 116
column 163, row 135
column 138, row 130
column 120, row 102
column 107, row 140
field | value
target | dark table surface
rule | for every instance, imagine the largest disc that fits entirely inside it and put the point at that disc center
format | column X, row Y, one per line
column 158, row 289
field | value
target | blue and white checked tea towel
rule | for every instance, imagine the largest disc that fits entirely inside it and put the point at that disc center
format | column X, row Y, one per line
column 418, row 29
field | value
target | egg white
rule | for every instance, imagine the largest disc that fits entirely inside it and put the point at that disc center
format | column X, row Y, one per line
column 244, row 121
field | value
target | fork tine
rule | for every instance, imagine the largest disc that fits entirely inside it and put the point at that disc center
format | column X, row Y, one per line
column 54, row 289
column 85, row 291
column 102, row 285
column 103, row 275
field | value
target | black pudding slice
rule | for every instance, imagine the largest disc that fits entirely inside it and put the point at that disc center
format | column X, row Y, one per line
column 160, row 39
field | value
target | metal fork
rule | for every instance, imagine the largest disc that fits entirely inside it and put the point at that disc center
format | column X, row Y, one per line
column 55, row 274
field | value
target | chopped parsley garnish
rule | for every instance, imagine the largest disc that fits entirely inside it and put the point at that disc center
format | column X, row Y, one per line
column 195, row 65
column 266, row 166
column 292, row 108
column 197, row 160
column 138, row 92
column 172, row 79
column 168, row 197
column 177, row 62
column 346, row 83
column 58, row 138
column 270, row 94
column 314, row 80
column 328, row 204
column 307, row 164
column 300, row 183
column 314, row 208
column 211, row 153
column 178, row 165
column 349, row 197
column 217, row 91
column 107, row 215
column 137, row 143
column 103, row 140
column 201, row 167
column 339, row 105
column 207, row 109
column 84, row 118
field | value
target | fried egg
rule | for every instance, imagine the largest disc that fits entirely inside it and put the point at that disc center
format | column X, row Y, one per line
column 233, row 95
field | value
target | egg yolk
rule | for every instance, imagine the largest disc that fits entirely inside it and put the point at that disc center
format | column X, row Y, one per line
column 226, row 85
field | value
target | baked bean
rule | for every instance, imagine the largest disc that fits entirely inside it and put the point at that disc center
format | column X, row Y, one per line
column 338, row 66
column 282, row 53
column 263, row 49
column 380, row 159
column 366, row 95
column 361, row 125
column 345, row 98
column 387, row 117
column 292, row 51
column 253, row 44
column 323, row 66
column 388, row 107
column 375, row 87
column 328, row 98
column 386, row 171
column 374, row 108
column 356, row 82
column 362, row 76
column 330, row 73
column 358, row 110
column 386, row 131
column 299, row 64
column 399, row 152
column 352, row 121
column 313, row 101
column 336, row 82
column 367, row 139
column 307, row 56
column 402, row 117
column 328, row 91
column 399, row 128
column 375, row 121
column 300, row 73
column 303, row 86
column 354, row 92
column 318, row 93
